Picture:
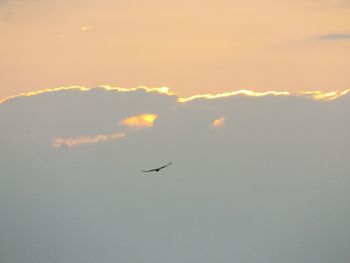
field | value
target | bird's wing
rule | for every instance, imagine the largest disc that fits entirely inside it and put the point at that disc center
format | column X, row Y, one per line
column 149, row 171
column 165, row 165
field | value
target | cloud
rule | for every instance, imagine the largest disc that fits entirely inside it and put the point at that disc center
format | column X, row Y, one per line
column 219, row 122
column 334, row 37
column 3, row 2
column 325, row 96
column 317, row 95
column 234, row 93
column 140, row 121
column 58, row 142
column 161, row 90
column 7, row 16
column 85, row 28
column 274, row 180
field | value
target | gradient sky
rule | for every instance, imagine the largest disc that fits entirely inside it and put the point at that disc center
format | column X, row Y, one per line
column 190, row 46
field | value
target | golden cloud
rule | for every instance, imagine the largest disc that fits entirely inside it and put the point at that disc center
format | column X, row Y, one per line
column 218, row 122
column 319, row 95
column 58, row 142
column 234, row 93
column 140, row 121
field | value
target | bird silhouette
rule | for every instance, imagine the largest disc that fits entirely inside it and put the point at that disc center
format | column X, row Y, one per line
column 157, row 169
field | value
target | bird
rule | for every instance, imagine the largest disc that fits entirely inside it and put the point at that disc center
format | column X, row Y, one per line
column 157, row 169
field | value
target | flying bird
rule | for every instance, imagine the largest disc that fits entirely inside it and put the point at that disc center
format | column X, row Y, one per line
column 157, row 169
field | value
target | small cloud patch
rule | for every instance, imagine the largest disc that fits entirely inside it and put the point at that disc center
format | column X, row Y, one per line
column 85, row 28
column 140, row 121
column 218, row 122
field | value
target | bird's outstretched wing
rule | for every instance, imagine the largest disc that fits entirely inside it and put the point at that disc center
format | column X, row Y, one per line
column 153, row 170
column 164, row 166
column 157, row 169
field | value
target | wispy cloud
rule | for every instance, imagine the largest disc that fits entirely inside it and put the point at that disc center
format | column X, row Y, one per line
column 325, row 96
column 85, row 28
column 7, row 16
column 58, row 142
column 3, row 2
column 333, row 37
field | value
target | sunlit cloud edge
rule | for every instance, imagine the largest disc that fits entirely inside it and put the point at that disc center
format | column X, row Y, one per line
column 316, row 94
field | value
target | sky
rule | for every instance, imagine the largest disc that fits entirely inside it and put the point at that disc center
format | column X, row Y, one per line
column 260, row 179
column 249, row 100
column 192, row 47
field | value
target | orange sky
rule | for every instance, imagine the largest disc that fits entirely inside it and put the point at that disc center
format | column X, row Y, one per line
column 192, row 47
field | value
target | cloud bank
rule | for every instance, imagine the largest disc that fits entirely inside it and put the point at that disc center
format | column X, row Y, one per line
column 254, row 178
